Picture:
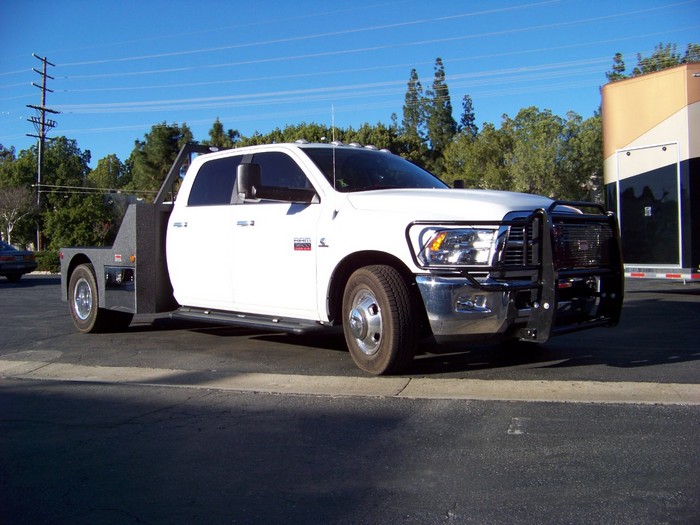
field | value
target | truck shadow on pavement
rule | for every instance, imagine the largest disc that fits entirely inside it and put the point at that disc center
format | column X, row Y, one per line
column 175, row 457
column 658, row 327
column 654, row 330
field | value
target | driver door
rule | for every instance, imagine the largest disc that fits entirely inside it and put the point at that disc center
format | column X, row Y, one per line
column 275, row 243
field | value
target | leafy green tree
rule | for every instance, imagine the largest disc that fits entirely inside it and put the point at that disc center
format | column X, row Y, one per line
column 109, row 173
column 560, row 158
column 6, row 155
column 84, row 221
column 535, row 152
column 534, row 162
column 69, row 208
column 582, row 175
column 480, row 162
column 255, row 139
column 17, row 179
column 110, row 176
column 65, row 168
column 379, row 135
column 311, row 132
column 17, row 170
column 73, row 214
column 152, row 157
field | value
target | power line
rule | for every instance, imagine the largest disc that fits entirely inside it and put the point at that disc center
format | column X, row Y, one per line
column 57, row 188
column 382, row 27
column 468, row 36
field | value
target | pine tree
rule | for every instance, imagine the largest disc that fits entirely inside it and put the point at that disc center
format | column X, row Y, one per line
column 618, row 69
column 151, row 159
column 692, row 54
column 467, row 124
column 220, row 138
column 414, row 109
column 441, row 124
column 663, row 57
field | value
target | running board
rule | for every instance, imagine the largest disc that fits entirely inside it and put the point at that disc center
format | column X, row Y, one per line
column 277, row 324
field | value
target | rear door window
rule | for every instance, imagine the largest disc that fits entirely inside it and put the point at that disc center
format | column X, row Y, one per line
column 214, row 183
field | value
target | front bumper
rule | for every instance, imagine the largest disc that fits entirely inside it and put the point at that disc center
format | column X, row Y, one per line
column 457, row 308
column 554, row 291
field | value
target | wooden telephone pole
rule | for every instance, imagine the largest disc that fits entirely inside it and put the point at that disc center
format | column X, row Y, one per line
column 42, row 125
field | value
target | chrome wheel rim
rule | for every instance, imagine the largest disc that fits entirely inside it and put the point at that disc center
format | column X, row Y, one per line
column 365, row 321
column 82, row 299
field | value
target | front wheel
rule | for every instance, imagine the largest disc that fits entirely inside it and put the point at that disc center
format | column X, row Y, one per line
column 378, row 321
column 83, row 301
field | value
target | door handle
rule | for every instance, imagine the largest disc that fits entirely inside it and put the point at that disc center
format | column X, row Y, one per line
column 245, row 223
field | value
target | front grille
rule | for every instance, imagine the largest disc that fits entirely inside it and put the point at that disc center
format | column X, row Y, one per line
column 518, row 250
column 578, row 245
column 575, row 244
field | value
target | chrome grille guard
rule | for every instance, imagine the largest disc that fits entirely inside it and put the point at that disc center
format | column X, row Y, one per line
column 543, row 264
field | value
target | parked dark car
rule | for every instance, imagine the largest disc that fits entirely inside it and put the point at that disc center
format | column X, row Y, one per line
column 14, row 263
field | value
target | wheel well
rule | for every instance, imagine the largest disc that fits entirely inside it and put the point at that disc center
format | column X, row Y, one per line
column 367, row 258
column 76, row 261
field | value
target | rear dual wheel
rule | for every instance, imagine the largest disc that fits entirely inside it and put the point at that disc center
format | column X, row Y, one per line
column 378, row 320
column 83, row 304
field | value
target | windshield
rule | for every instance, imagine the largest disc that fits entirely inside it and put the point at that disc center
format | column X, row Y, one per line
column 364, row 170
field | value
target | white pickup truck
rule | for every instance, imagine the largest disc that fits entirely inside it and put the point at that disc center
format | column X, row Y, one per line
column 302, row 237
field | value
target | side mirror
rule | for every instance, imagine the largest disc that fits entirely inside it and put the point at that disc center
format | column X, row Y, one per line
column 248, row 180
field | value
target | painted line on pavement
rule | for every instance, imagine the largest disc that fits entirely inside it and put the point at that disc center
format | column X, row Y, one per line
column 402, row 387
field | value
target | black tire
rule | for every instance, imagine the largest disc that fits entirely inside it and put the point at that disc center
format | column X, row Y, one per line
column 14, row 278
column 378, row 321
column 83, row 304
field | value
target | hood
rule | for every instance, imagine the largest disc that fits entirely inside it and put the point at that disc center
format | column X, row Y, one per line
column 441, row 204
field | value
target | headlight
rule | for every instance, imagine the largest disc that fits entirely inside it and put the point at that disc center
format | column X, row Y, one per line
column 459, row 247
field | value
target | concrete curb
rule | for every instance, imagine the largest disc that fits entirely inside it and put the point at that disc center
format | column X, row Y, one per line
column 399, row 387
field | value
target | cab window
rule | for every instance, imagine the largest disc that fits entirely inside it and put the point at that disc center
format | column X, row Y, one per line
column 214, row 182
column 278, row 170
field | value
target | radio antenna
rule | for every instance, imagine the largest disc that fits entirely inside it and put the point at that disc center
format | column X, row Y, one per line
column 334, row 144
column 333, row 122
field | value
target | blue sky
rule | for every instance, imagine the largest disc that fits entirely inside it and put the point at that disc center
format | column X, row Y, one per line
column 122, row 67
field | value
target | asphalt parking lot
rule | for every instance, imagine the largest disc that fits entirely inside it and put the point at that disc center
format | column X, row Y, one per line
column 171, row 423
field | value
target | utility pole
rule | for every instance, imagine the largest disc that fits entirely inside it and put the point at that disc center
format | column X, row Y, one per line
column 42, row 125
